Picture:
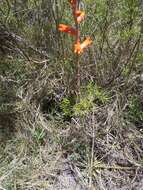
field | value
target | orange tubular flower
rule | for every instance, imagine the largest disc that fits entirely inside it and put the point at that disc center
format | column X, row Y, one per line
column 80, row 15
column 77, row 48
column 67, row 29
column 80, row 47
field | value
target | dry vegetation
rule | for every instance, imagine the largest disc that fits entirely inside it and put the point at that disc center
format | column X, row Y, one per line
column 49, row 142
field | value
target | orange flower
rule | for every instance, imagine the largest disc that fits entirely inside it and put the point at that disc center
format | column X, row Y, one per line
column 78, row 48
column 67, row 29
column 80, row 15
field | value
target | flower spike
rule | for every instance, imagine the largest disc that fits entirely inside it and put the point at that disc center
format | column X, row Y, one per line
column 67, row 29
column 80, row 15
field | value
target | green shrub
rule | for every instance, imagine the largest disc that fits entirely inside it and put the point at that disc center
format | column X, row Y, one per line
column 135, row 110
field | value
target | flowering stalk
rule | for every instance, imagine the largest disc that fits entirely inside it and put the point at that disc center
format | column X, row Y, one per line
column 79, row 47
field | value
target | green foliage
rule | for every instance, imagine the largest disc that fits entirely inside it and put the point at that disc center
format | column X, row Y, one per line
column 92, row 95
column 39, row 134
column 129, row 33
column 125, row 71
column 101, row 95
column 83, row 107
column 96, row 93
column 140, row 57
column 66, row 107
column 135, row 110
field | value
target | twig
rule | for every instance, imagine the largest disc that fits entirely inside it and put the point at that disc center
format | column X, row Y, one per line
column 92, row 151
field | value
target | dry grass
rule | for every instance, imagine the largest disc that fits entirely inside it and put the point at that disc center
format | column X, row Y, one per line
column 41, row 148
column 103, row 149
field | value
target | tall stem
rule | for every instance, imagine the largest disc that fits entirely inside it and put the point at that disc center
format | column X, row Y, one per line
column 77, row 75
